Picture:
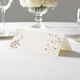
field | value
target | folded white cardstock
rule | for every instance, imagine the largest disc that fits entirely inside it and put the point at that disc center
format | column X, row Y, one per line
column 39, row 41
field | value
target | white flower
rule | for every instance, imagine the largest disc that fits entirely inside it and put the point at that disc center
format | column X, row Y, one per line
column 30, row 3
column 38, row 3
column 34, row 3
column 23, row 3
column 50, row 3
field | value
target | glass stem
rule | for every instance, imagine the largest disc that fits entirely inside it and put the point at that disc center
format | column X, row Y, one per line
column 38, row 19
column 3, row 18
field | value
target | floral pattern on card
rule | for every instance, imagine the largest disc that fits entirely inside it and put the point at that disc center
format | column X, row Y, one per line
column 16, row 41
column 18, row 32
column 53, row 45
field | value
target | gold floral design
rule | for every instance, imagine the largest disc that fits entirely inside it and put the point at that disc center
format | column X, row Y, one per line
column 18, row 32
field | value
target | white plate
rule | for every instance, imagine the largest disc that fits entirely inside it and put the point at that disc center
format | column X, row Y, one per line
column 75, row 37
column 10, row 34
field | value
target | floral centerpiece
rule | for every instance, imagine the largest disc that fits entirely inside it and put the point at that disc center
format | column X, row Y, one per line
column 38, row 3
column 38, row 8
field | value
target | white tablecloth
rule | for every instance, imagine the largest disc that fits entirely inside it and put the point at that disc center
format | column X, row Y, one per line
column 18, row 65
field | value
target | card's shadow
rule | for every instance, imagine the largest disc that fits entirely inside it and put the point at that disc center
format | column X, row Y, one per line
column 73, row 54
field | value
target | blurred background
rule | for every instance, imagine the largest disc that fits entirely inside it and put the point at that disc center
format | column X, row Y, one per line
column 66, row 11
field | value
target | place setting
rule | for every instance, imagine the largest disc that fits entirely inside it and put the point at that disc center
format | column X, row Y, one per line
column 53, row 41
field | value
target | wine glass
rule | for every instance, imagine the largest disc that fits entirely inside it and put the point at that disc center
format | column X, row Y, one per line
column 38, row 12
column 78, row 16
column 4, row 5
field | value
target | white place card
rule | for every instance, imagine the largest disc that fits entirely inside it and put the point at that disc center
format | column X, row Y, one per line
column 38, row 41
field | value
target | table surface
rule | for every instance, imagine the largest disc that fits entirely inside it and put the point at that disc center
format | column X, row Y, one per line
column 18, row 65
column 63, row 27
